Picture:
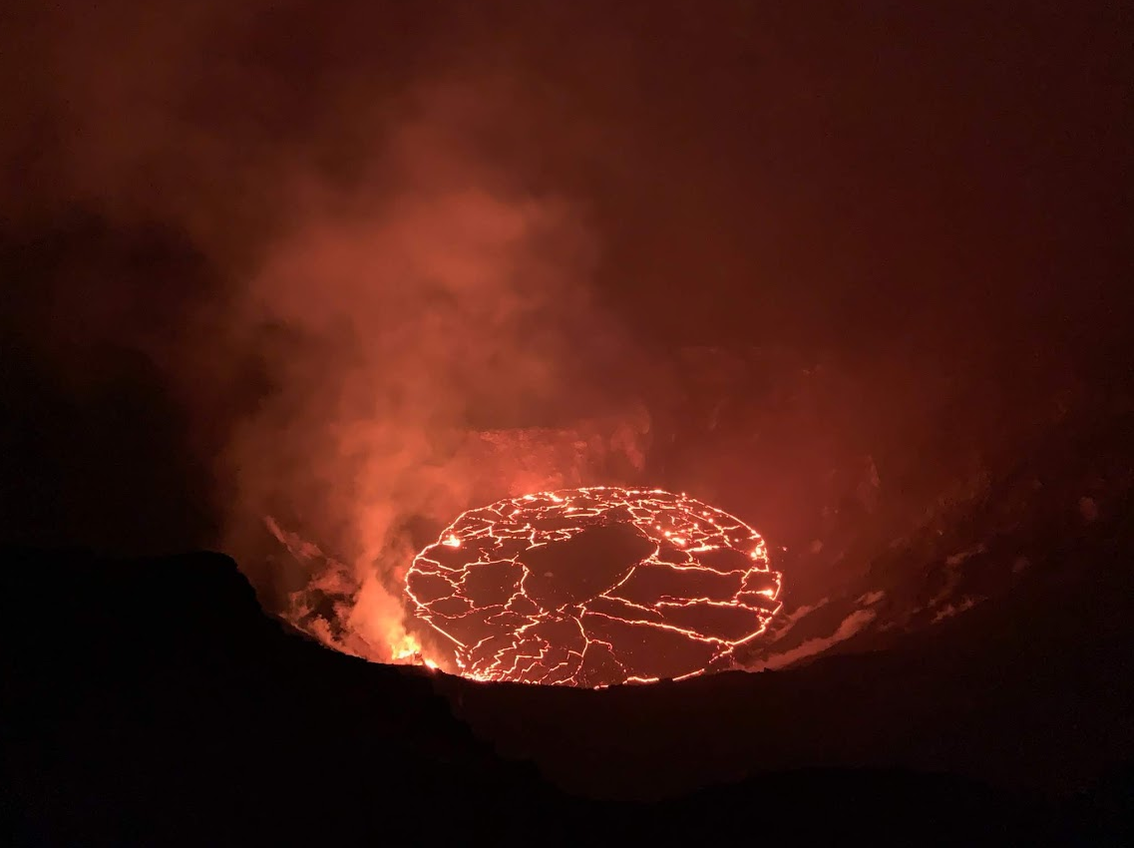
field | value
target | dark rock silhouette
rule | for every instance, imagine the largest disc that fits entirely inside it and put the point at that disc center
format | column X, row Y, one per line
column 152, row 702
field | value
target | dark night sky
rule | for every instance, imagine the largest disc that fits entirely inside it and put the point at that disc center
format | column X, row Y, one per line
column 925, row 192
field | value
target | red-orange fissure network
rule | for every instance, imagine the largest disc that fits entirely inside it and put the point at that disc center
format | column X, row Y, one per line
column 594, row 587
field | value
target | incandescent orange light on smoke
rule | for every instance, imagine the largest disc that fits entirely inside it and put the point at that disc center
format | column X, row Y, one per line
column 594, row 586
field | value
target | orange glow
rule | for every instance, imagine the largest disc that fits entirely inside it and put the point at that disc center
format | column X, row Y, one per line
column 701, row 587
column 406, row 650
column 409, row 653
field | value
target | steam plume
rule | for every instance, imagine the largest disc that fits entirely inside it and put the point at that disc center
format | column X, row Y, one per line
column 397, row 317
column 428, row 296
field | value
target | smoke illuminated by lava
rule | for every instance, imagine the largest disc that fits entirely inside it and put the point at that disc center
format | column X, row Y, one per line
column 594, row 586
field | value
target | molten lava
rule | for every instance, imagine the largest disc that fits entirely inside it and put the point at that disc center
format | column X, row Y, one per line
column 595, row 586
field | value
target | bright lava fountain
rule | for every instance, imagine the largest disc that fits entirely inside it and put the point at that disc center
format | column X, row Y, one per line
column 593, row 587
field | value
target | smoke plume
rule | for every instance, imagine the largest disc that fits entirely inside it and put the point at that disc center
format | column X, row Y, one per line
column 327, row 274
column 430, row 297
column 394, row 316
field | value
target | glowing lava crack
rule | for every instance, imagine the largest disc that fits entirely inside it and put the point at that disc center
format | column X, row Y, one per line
column 592, row 587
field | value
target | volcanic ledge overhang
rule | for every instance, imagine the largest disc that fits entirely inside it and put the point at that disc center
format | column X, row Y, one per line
column 593, row 587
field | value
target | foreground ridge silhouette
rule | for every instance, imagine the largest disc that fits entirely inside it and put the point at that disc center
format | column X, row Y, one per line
column 152, row 701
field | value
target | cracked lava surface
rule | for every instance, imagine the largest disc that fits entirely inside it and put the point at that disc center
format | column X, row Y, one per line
column 593, row 587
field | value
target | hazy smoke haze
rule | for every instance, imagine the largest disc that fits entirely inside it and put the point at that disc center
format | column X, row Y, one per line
column 356, row 266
